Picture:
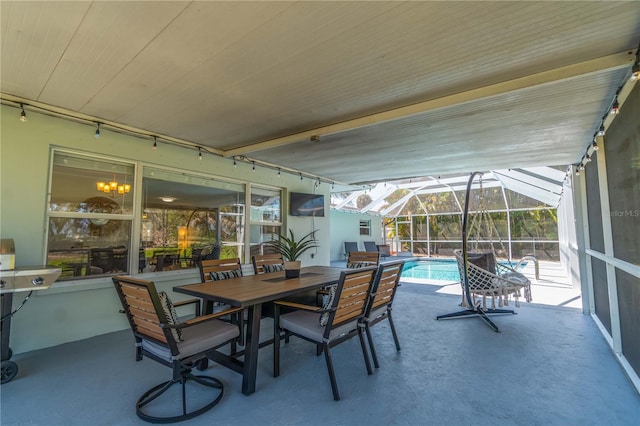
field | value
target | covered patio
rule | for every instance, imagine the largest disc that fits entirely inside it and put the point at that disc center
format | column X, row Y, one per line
column 550, row 365
column 212, row 114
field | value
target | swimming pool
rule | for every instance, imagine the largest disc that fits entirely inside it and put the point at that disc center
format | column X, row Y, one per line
column 435, row 269
column 432, row 269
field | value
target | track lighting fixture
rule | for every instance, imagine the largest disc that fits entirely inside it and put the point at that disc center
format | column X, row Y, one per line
column 279, row 174
column 301, row 177
column 588, row 158
column 253, row 167
column 577, row 171
column 199, row 153
column 23, row 115
column 595, row 145
column 601, row 130
column 234, row 163
column 155, row 142
column 98, row 130
column 581, row 167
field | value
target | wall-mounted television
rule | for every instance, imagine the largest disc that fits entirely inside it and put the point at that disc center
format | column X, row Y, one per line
column 306, row 204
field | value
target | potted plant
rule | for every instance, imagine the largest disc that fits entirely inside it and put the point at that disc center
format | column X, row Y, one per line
column 291, row 249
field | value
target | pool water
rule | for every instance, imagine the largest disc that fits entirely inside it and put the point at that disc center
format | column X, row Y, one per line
column 434, row 269
column 440, row 269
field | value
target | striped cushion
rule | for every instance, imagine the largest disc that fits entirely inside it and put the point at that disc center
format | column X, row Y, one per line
column 328, row 301
column 273, row 268
column 356, row 265
column 225, row 275
column 170, row 314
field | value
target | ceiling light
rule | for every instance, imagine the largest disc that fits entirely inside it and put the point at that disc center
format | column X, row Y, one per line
column 199, row 154
column 23, row 115
column 635, row 71
column 253, row 168
column 155, row 142
column 279, row 174
column 234, row 163
column 601, row 130
column 595, row 145
column 98, row 131
column 168, row 199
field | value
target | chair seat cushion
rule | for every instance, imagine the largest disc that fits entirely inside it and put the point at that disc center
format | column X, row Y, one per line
column 198, row 338
column 375, row 313
column 307, row 324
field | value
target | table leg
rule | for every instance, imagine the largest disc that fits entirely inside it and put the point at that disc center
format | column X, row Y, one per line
column 251, row 350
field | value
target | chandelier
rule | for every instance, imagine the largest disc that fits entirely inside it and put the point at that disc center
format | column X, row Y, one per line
column 112, row 188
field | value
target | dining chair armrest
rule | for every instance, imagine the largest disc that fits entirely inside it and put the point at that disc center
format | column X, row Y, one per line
column 299, row 306
column 209, row 317
column 203, row 318
column 196, row 302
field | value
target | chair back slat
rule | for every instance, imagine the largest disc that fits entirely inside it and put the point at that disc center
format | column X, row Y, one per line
column 352, row 294
column 217, row 265
column 141, row 304
column 260, row 260
column 363, row 258
column 386, row 283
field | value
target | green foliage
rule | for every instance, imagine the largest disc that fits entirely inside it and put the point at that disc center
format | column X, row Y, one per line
column 290, row 248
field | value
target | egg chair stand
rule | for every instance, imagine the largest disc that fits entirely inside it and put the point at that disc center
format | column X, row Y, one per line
column 484, row 276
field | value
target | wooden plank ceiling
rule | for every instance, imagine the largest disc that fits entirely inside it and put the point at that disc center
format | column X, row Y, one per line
column 392, row 89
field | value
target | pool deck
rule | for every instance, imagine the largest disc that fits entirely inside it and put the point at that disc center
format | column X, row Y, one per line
column 554, row 288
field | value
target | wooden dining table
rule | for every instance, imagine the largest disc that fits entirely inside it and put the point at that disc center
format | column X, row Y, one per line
column 251, row 292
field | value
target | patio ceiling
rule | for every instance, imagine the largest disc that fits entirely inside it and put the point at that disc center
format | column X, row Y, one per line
column 392, row 90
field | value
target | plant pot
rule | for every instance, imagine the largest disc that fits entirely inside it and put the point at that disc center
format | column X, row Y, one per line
column 292, row 269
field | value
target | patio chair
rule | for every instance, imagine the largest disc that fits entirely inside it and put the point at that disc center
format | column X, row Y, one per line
column 216, row 270
column 370, row 246
column 161, row 336
column 330, row 325
column 360, row 259
column 379, row 308
column 350, row 246
column 265, row 263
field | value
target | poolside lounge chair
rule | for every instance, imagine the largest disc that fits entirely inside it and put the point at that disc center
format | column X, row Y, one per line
column 370, row 246
column 350, row 246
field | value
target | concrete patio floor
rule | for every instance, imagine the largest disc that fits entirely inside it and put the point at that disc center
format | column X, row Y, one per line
column 549, row 366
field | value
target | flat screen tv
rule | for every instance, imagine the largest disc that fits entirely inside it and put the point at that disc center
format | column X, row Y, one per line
column 306, row 204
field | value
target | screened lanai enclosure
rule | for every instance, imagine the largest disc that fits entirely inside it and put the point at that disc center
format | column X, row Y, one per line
column 423, row 216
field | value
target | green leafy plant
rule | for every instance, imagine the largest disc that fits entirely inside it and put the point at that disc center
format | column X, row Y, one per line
column 290, row 248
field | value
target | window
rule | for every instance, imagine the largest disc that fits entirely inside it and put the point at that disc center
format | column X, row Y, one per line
column 183, row 215
column 265, row 217
column 365, row 227
column 90, row 214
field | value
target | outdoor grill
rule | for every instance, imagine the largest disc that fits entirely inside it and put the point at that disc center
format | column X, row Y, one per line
column 24, row 280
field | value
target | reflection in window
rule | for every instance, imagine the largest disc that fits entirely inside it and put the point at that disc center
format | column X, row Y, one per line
column 265, row 219
column 89, row 215
column 186, row 218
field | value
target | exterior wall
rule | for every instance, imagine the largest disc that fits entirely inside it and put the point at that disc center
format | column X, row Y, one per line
column 346, row 227
column 77, row 310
